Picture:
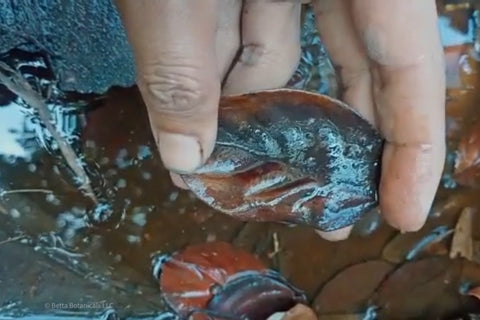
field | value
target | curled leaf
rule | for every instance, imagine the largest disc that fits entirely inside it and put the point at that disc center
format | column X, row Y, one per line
column 291, row 156
column 218, row 279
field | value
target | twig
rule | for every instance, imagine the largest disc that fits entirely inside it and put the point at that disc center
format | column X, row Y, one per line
column 276, row 246
column 11, row 239
column 18, row 85
column 5, row 192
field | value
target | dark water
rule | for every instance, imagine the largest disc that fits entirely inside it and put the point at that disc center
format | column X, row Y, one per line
column 64, row 256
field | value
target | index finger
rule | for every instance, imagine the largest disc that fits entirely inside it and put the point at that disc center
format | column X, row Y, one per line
column 403, row 43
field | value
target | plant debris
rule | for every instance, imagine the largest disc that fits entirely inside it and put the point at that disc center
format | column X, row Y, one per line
column 351, row 289
column 15, row 82
column 462, row 243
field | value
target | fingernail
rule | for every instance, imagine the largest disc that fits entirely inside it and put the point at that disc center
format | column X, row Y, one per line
column 180, row 153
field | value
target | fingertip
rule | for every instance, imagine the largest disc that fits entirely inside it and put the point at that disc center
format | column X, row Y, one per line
column 337, row 235
column 179, row 152
column 178, row 181
column 410, row 179
column 404, row 219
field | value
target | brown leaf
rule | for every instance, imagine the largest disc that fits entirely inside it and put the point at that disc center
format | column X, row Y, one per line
column 291, row 156
column 462, row 243
column 467, row 163
column 407, row 246
column 412, row 287
column 350, row 290
column 187, row 276
column 469, row 273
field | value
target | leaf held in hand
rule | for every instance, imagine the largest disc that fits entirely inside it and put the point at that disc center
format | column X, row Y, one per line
column 291, row 156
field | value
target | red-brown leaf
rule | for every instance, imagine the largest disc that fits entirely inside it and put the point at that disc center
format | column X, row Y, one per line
column 412, row 287
column 350, row 290
column 467, row 163
column 291, row 156
column 187, row 277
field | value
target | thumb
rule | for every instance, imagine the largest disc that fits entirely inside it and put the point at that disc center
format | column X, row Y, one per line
column 173, row 44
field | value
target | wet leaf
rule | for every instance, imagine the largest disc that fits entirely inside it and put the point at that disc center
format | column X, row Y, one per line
column 408, row 246
column 218, row 278
column 291, row 156
column 462, row 243
column 187, row 277
column 412, row 287
column 467, row 163
column 470, row 273
column 350, row 290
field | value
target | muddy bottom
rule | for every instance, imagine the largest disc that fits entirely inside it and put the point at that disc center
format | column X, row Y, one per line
column 64, row 256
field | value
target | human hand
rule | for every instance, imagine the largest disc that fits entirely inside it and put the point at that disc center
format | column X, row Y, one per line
column 388, row 55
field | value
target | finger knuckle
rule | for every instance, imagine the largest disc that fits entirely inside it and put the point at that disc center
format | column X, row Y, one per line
column 174, row 89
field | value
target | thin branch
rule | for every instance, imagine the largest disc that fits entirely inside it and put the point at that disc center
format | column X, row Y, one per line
column 18, row 85
column 5, row 192
column 11, row 239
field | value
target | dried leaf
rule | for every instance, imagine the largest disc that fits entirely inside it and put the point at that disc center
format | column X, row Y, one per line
column 412, row 287
column 216, row 277
column 291, row 156
column 350, row 290
column 187, row 277
column 462, row 243
column 408, row 246
column 467, row 163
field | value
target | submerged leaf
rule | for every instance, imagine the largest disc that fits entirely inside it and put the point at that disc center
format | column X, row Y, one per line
column 291, row 156
column 412, row 287
column 350, row 290
column 462, row 243
column 467, row 163
column 407, row 246
column 216, row 278
column 187, row 277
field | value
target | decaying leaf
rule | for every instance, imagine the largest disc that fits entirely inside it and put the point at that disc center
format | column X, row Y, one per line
column 467, row 163
column 216, row 277
column 412, row 287
column 462, row 243
column 350, row 290
column 407, row 246
column 291, row 156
